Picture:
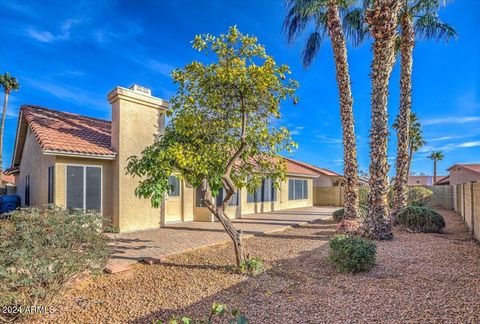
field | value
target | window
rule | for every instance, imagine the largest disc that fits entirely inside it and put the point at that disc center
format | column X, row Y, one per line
column 27, row 190
column 175, row 186
column 265, row 193
column 297, row 189
column 51, row 177
column 84, row 187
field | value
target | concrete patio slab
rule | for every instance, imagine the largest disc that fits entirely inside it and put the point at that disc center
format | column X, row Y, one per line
column 130, row 248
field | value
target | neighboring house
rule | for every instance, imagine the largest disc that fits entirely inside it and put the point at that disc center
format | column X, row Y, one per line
column 444, row 181
column 464, row 172
column 7, row 180
column 421, row 180
column 79, row 162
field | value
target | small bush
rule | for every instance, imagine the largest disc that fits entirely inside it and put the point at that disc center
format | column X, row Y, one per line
column 218, row 311
column 42, row 250
column 421, row 219
column 251, row 266
column 418, row 196
column 339, row 214
column 363, row 195
column 351, row 253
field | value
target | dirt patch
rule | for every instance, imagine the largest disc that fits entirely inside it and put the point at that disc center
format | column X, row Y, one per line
column 419, row 277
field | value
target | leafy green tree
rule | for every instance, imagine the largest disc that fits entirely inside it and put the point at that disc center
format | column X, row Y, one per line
column 417, row 19
column 381, row 16
column 221, row 133
column 435, row 156
column 324, row 16
column 8, row 84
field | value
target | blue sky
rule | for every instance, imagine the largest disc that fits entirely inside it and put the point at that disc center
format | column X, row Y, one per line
column 68, row 55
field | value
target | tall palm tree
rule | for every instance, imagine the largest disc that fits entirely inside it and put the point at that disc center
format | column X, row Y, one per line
column 415, row 137
column 435, row 156
column 9, row 84
column 381, row 16
column 325, row 17
column 416, row 18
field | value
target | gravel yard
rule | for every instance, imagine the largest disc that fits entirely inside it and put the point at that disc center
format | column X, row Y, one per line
column 419, row 277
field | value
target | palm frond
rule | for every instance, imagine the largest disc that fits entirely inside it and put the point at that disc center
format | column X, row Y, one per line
column 300, row 13
column 429, row 26
column 354, row 26
column 311, row 48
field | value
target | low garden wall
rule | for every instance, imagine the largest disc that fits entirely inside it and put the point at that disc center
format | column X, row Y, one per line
column 328, row 196
column 442, row 197
column 466, row 202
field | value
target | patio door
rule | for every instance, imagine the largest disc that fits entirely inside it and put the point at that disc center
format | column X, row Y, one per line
column 174, row 201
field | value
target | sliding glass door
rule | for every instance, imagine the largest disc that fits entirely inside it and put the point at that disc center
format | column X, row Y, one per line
column 84, row 187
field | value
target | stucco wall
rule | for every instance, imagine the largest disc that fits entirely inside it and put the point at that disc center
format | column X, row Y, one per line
column 323, row 181
column 107, row 181
column 35, row 164
column 137, row 121
column 328, row 196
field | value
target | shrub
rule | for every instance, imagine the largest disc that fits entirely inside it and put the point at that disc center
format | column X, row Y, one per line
column 351, row 253
column 42, row 250
column 338, row 214
column 418, row 196
column 421, row 219
column 218, row 311
column 251, row 266
column 363, row 195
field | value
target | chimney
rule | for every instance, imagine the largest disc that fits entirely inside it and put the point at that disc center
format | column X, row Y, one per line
column 138, row 119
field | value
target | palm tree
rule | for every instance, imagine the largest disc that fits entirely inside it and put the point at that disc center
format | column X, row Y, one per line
column 416, row 17
column 435, row 156
column 9, row 84
column 415, row 137
column 381, row 16
column 324, row 15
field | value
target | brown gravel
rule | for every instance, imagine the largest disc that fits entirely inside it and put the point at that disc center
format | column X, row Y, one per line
column 419, row 278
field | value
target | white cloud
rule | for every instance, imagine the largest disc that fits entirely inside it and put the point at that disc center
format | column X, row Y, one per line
column 296, row 130
column 470, row 144
column 159, row 67
column 327, row 139
column 451, row 120
column 48, row 37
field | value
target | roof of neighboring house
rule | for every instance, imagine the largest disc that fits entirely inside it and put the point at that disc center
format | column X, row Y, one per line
column 312, row 169
column 443, row 181
column 475, row 167
column 63, row 132
column 8, row 178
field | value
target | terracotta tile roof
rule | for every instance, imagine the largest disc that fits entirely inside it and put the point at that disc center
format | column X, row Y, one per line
column 8, row 178
column 310, row 169
column 70, row 133
column 475, row 167
column 443, row 180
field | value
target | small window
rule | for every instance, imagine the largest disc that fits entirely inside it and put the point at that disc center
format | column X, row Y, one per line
column 221, row 196
column 199, row 198
column 84, row 187
column 51, row 184
column 27, row 190
column 174, row 186
column 297, row 189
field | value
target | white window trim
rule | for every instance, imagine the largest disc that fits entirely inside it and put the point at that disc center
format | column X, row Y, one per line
column 85, row 166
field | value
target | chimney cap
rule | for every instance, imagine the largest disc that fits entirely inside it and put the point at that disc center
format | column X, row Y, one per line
column 140, row 89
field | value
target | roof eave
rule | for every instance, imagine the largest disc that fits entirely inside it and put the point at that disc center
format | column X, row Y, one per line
column 81, row 155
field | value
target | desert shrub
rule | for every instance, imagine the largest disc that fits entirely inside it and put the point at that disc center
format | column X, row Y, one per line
column 363, row 195
column 418, row 196
column 351, row 253
column 421, row 219
column 217, row 312
column 251, row 265
column 339, row 213
column 42, row 250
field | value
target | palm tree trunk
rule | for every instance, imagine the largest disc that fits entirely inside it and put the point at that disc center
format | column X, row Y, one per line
column 407, row 42
column 2, row 127
column 410, row 157
column 350, row 167
column 382, row 20
column 434, row 171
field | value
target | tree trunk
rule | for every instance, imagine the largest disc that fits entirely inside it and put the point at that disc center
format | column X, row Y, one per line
column 2, row 127
column 219, row 213
column 407, row 42
column 350, row 167
column 382, row 20
column 434, row 171
column 410, row 157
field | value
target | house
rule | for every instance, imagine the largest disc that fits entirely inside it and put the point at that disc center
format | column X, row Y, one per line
column 443, row 181
column 7, row 180
column 79, row 162
column 464, row 172
column 421, row 180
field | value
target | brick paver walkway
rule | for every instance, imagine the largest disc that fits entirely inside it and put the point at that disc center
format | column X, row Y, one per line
column 182, row 237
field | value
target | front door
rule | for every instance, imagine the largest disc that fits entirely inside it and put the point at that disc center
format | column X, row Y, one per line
column 174, row 202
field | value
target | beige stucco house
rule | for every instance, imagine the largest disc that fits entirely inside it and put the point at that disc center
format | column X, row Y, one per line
column 464, row 172
column 79, row 162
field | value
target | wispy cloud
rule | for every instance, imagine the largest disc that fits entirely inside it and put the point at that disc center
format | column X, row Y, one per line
column 159, row 67
column 327, row 139
column 450, row 146
column 70, row 94
column 48, row 37
column 297, row 130
column 451, row 120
